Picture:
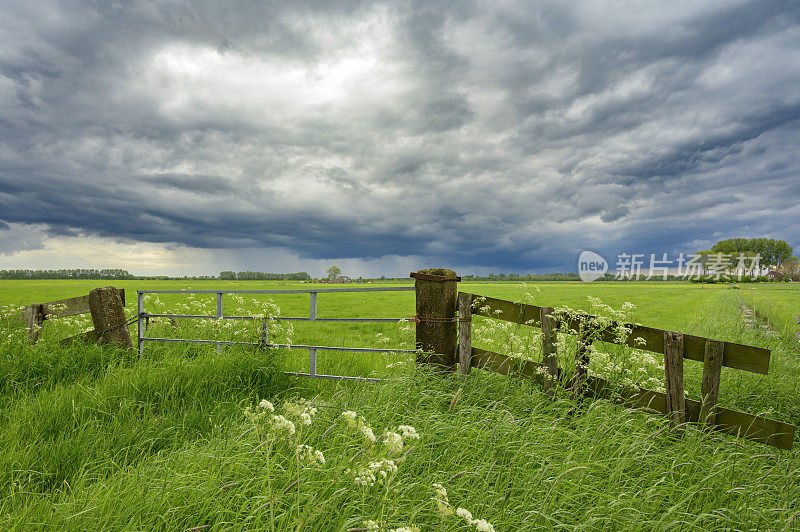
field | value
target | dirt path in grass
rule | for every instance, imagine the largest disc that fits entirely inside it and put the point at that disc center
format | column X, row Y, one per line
column 753, row 321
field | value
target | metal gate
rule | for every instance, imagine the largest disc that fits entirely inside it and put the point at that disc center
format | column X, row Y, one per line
column 143, row 316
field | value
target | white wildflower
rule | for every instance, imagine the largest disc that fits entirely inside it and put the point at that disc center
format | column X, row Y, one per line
column 482, row 525
column 394, row 442
column 368, row 434
column 281, row 424
column 266, row 405
column 302, row 411
column 405, row 529
column 408, row 432
column 351, row 418
column 356, row 421
column 376, row 471
column 313, row 456
column 466, row 514
column 371, row 525
column 363, row 477
column 442, row 502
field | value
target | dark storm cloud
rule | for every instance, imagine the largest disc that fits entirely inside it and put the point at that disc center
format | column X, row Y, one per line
column 509, row 136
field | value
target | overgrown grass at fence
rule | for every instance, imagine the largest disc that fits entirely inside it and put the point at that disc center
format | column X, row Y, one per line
column 94, row 438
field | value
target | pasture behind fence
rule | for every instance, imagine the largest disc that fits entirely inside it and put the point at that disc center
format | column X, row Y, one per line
column 674, row 346
column 144, row 316
column 444, row 340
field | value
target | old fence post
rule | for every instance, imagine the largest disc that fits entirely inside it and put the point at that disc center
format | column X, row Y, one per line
column 581, row 361
column 673, row 373
column 712, row 370
column 34, row 317
column 108, row 317
column 549, row 346
column 464, row 333
column 436, row 290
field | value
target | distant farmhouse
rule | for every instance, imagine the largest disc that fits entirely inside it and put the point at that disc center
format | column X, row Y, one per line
column 339, row 279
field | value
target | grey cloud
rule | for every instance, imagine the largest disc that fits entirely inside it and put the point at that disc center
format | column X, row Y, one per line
column 508, row 136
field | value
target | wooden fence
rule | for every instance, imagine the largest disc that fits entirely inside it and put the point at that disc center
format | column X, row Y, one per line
column 106, row 306
column 674, row 346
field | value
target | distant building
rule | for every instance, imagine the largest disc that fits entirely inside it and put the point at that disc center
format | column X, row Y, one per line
column 341, row 279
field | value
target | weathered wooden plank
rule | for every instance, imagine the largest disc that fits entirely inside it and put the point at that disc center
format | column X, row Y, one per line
column 72, row 306
column 464, row 333
column 507, row 310
column 84, row 337
column 709, row 388
column 673, row 374
column 549, row 346
column 756, row 428
column 67, row 307
column 739, row 356
column 506, row 365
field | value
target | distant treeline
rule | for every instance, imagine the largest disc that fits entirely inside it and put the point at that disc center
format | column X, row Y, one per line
column 523, row 277
column 261, row 276
column 118, row 274
column 80, row 273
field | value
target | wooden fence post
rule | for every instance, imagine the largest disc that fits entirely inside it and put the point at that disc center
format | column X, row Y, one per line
column 549, row 348
column 464, row 333
column 108, row 317
column 34, row 317
column 712, row 371
column 673, row 373
column 581, row 362
column 436, row 290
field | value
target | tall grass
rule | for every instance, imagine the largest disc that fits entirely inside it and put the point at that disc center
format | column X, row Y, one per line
column 94, row 438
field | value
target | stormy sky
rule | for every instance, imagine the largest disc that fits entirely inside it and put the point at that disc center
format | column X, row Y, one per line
column 191, row 137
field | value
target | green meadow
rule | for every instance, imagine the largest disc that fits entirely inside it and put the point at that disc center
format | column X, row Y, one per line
column 96, row 438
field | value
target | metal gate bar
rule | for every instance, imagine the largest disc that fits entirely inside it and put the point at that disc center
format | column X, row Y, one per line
column 312, row 349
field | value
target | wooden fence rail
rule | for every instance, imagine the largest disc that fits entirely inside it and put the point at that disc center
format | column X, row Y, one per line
column 106, row 306
column 674, row 346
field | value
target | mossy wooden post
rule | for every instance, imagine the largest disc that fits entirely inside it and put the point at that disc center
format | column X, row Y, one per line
column 581, row 362
column 464, row 333
column 34, row 317
column 108, row 317
column 549, row 343
column 712, row 371
column 436, row 291
column 673, row 374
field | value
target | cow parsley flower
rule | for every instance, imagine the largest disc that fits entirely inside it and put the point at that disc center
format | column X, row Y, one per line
column 394, row 442
column 363, row 477
column 356, row 421
column 482, row 525
column 313, row 456
column 351, row 418
column 371, row 525
column 408, row 432
column 466, row 514
column 303, row 411
column 442, row 502
column 281, row 424
column 259, row 412
column 375, row 472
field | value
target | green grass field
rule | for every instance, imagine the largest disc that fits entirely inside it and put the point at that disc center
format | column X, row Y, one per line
column 94, row 438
